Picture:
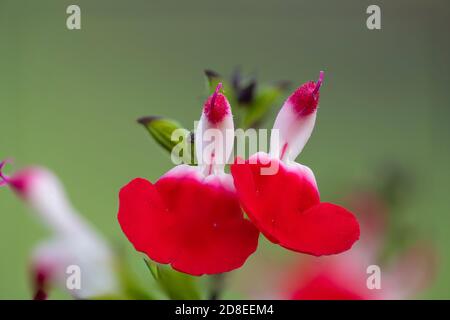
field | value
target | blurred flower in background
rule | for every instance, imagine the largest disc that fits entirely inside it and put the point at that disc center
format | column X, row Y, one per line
column 74, row 247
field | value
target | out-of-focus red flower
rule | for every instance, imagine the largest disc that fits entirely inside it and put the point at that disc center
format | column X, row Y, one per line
column 191, row 217
column 281, row 196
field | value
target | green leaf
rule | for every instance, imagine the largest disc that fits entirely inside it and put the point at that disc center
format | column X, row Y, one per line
column 176, row 285
column 264, row 99
column 153, row 267
column 162, row 130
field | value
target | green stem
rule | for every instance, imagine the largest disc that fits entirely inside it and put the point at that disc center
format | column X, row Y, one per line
column 217, row 286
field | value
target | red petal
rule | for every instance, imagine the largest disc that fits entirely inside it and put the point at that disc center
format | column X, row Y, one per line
column 321, row 230
column 286, row 207
column 271, row 199
column 145, row 221
column 198, row 227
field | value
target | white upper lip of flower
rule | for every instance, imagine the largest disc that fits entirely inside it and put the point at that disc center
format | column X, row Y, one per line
column 293, row 130
column 213, row 142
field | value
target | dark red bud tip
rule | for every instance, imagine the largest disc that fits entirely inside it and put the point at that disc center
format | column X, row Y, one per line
column 306, row 98
column 217, row 106
column 146, row 120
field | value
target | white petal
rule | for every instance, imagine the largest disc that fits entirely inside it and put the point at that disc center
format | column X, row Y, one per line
column 290, row 132
column 214, row 143
column 95, row 262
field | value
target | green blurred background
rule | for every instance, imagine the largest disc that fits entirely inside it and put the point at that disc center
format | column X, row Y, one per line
column 69, row 100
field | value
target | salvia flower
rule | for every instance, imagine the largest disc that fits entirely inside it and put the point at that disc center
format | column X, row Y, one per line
column 281, row 196
column 191, row 217
column 74, row 247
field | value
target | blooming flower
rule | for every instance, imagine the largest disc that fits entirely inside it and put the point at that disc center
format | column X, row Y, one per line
column 74, row 242
column 285, row 204
column 191, row 217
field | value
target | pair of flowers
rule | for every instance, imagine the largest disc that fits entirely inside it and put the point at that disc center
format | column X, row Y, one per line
column 192, row 219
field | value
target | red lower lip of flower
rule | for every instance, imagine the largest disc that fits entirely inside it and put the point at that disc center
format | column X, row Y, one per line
column 195, row 226
column 286, row 208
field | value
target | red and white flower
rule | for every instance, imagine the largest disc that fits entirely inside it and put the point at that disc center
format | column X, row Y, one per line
column 74, row 242
column 284, row 203
column 191, row 217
